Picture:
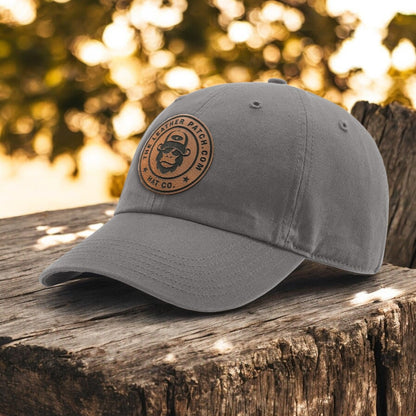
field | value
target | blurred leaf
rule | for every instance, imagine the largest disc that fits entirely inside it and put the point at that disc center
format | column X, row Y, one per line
column 402, row 26
column 45, row 87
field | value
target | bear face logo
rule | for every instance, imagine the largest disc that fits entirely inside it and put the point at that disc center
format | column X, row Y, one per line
column 176, row 156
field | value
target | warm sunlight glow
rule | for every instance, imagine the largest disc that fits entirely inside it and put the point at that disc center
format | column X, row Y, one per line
column 170, row 358
column 239, row 31
column 312, row 79
column 53, row 236
column 182, row 79
column 237, row 73
column 54, row 230
column 404, row 57
column 120, row 37
column 365, row 50
column 143, row 12
column 411, row 89
column 132, row 59
column 271, row 53
column 130, row 120
column 374, row 13
column 382, row 294
column 366, row 88
column 355, row 53
column 166, row 98
column 42, row 142
column 125, row 72
column 293, row 19
column 91, row 51
column 272, row 11
column 161, row 59
column 232, row 9
column 222, row 346
column 21, row 12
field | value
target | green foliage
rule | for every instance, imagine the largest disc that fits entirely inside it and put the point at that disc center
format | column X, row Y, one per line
column 42, row 82
column 37, row 66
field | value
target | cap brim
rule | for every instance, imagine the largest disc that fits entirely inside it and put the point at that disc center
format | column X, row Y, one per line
column 181, row 262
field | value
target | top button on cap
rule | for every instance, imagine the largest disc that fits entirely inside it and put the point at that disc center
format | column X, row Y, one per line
column 277, row 81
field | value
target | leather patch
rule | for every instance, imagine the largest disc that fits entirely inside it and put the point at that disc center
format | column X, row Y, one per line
column 176, row 156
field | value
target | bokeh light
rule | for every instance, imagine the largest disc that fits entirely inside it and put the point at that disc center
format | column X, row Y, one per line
column 90, row 51
column 240, row 31
column 80, row 84
column 404, row 56
column 20, row 12
column 184, row 79
column 129, row 121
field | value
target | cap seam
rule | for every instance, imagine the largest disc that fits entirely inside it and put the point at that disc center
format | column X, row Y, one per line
column 303, row 167
column 331, row 262
column 216, row 93
column 180, row 285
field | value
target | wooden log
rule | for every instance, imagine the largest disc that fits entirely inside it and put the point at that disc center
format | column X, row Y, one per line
column 394, row 130
column 324, row 342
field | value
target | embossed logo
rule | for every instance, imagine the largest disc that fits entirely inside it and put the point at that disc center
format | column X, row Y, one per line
column 176, row 156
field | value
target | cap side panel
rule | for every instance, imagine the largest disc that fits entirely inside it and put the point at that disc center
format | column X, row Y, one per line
column 339, row 221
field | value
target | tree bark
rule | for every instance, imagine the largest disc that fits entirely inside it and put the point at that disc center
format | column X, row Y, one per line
column 394, row 130
column 323, row 342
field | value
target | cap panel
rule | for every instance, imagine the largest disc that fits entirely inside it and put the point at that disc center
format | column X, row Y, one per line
column 258, row 133
column 134, row 196
column 341, row 217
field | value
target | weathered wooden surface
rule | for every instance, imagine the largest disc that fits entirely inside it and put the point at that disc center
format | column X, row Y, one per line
column 322, row 343
column 394, row 130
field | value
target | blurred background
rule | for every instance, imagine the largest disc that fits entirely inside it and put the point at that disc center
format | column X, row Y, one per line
column 80, row 80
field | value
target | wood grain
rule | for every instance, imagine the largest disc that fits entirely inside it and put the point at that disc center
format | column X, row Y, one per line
column 315, row 345
column 394, row 130
column 322, row 343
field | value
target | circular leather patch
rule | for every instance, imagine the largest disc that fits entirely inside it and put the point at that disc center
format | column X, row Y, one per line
column 176, row 156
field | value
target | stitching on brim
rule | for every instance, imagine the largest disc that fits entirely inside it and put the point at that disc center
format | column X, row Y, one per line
column 179, row 269
column 165, row 253
column 180, row 286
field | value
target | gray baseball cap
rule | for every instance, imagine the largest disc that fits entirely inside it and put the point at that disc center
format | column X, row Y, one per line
column 230, row 189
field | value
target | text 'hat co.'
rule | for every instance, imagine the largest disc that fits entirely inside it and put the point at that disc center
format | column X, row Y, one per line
column 230, row 189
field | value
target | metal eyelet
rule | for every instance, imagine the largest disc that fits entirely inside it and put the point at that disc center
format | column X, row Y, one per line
column 343, row 125
column 255, row 104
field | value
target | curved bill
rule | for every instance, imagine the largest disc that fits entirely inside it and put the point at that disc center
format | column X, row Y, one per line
column 189, row 265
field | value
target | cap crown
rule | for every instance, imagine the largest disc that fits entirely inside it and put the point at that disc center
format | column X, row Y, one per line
column 289, row 168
